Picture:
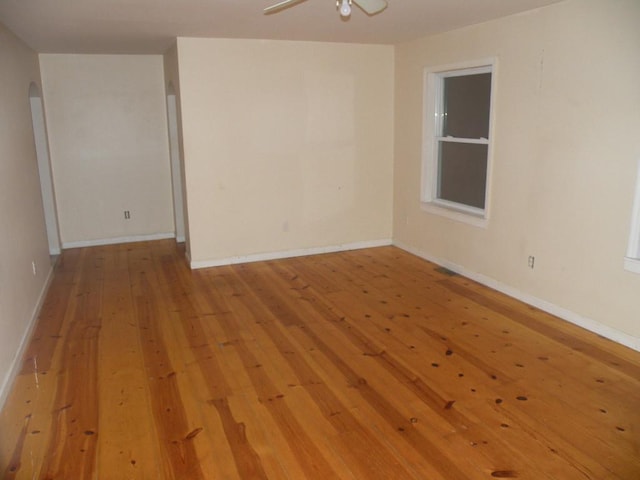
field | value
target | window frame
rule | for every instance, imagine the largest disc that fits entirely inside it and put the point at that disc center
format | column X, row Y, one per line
column 432, row 128
column 632, row 259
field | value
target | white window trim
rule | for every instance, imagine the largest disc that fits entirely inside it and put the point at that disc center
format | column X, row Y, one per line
column 632, row 259
column 429, row 201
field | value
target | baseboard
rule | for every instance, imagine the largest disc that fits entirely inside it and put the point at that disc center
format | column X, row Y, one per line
column 16, row 363
column 259, row 257
column 113, row 241
column 563, row 313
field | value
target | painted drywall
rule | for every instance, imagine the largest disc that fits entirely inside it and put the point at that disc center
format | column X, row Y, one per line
column 287, row 145
column 23, row 239
column 109, row 146
column 566, row 145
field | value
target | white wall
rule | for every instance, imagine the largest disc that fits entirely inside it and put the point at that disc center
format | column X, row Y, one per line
column 109, row 146
column 22, row 226
column 567, row 142
column 287, row 145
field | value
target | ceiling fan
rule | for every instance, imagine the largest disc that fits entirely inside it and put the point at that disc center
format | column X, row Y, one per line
column 371, row 7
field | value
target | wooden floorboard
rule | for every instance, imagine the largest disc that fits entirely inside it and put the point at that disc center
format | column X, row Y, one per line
column 370, row 364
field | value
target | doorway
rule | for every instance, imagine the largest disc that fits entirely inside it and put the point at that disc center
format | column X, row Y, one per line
column 176, row 164
column 44, row 169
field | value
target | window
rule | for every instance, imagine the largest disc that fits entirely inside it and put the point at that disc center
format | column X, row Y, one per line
column 632, row 260
column 457, row 137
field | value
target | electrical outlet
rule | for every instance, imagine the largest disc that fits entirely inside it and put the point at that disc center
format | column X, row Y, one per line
column 33, row 267
column 531, row 261
column 127, row 215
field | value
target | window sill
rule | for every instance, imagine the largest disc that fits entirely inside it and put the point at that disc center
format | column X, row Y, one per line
column 632, row 264
column 452, row 213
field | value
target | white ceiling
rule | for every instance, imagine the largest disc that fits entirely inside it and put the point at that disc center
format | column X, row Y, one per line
column 150, row 26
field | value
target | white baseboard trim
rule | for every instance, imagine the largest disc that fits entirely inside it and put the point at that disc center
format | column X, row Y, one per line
column 259, row 257
column 561, row 312
column 113, row 241
column 16, row 363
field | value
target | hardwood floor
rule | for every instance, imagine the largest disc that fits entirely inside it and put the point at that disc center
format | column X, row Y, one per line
column 370, row 364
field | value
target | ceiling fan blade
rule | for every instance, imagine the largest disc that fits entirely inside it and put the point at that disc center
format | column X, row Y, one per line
column 280, row 5
column 371, row 7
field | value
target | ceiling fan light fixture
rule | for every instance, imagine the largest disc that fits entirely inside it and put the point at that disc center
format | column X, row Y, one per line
column 345, row 7
column 370, row 7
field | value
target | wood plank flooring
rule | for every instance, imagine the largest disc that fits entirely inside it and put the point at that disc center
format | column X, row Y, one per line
column 370, row 364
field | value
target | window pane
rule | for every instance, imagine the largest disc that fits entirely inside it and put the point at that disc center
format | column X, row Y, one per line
column 466, row 103
column 463, row 173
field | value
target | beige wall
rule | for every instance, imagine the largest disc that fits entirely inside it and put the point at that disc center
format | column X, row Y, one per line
column 23, row 237
column 287, row 145
column 566, row 146
column 109, row 146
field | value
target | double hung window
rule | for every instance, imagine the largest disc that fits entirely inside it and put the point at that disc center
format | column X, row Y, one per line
column 457, row 136
column 632, row 259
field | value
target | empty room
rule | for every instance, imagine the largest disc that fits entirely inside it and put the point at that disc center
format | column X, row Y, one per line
column 309, row 239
